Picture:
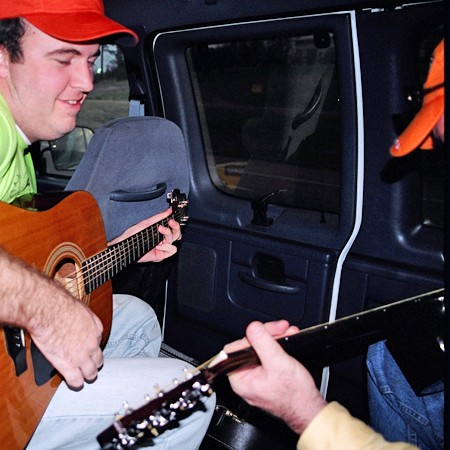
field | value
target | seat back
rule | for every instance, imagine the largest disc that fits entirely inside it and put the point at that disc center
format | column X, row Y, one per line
column 129, row 167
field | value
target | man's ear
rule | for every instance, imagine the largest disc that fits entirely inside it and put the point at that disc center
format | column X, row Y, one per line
column 4, row 62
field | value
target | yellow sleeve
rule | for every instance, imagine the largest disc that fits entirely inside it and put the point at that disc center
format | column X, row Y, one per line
column 334, row 428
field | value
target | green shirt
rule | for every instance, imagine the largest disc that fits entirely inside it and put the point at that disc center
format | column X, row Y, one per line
column 17, row 175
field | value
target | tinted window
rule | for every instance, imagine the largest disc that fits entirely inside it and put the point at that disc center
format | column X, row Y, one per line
column 109, row 99
column 270, row 118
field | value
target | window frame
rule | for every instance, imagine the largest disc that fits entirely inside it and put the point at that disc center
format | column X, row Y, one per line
column 179, row 105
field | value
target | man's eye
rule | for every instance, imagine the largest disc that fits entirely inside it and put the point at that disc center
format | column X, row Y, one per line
column 63, row 62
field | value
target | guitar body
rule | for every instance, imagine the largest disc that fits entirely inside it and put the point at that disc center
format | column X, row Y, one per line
column 55, row 238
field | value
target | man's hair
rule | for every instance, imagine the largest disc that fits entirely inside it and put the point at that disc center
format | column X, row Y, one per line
column 11, row 32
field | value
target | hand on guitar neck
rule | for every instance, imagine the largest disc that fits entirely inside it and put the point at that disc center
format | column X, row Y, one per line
column 280, row 385
column 171, row 233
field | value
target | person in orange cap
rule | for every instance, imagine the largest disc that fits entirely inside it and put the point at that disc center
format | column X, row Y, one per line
column 428, row 124
column 47, row 52
column 395, row 410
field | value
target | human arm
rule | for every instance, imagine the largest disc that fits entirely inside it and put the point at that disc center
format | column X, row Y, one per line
column 165, row 248
column 283, row 387
column 280, row 386
column 63, row 328
column 334, row 428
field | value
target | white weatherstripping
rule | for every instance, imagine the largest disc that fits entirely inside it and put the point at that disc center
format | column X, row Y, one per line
column 359, row 192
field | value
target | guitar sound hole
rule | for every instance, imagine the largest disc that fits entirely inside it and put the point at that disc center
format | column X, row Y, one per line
column 66, row 269
column 66, row 274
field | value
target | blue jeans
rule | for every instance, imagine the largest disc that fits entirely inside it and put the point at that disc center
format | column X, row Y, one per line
column 396, row 411
column 131, row 370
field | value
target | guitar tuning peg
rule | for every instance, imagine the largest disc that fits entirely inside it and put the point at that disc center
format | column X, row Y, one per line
column 187, row 373
column 158, row 391
column 175, row 382
column 147, row 397
column 127, row 407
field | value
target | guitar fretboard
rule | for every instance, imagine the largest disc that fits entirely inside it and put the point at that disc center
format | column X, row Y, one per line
column 101, row 267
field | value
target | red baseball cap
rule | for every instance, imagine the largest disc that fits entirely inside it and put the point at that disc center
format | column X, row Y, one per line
column 418, row 133
column 69, row 20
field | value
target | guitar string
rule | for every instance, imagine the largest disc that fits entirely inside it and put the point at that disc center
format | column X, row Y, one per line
column 123, row 247
column 108, row 261
column 105, row 259
column 120, row 251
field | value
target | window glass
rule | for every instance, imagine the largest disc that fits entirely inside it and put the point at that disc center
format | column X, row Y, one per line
column 108, row 101
column 270, row 118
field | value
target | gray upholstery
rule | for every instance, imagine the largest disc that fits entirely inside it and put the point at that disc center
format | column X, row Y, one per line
column 129, row 167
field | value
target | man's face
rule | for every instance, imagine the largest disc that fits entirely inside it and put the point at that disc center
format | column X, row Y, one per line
column 46, row 89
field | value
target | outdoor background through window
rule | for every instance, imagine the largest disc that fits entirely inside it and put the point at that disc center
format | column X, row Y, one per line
column 109, row 99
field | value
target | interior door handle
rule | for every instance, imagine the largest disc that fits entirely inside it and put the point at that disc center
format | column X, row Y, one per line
column 139, row 196
column 279, row 288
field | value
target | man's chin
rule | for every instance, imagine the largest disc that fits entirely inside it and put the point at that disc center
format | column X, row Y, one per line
column 63, row 131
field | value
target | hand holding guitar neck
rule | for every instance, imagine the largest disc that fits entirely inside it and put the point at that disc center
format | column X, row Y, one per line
column 166, row 226
column 280, row 385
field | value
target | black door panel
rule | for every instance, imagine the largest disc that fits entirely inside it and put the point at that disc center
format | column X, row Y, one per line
column 225, row 284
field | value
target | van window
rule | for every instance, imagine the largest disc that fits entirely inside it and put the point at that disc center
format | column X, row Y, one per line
column 270, row 118
column 109, row 99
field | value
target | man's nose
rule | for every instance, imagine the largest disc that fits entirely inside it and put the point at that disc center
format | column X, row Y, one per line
column 83, row 78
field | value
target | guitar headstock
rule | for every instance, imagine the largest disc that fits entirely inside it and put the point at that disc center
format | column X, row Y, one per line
column 140, row 426
column 178, row 203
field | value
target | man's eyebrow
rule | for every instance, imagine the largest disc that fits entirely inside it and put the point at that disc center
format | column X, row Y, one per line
column 70, row 51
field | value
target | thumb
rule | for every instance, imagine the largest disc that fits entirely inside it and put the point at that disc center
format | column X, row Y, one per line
column 265, row 346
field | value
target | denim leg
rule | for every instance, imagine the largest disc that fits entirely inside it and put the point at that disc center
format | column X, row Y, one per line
column 135, row 329
column 395, row 410
column 74, row 419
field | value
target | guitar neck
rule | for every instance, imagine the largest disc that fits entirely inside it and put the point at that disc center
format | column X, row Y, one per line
column 101, row 267
column 418, row 318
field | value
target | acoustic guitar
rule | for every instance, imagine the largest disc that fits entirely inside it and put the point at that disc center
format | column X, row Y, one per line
column 61, row 234
column 418, row 320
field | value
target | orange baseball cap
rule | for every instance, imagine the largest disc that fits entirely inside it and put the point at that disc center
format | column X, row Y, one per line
column 69, row 20
column 418, row 132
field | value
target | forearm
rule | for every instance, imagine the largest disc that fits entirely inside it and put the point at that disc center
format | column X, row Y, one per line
column 334, row 428
column 63, row 328
column 24, row 293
